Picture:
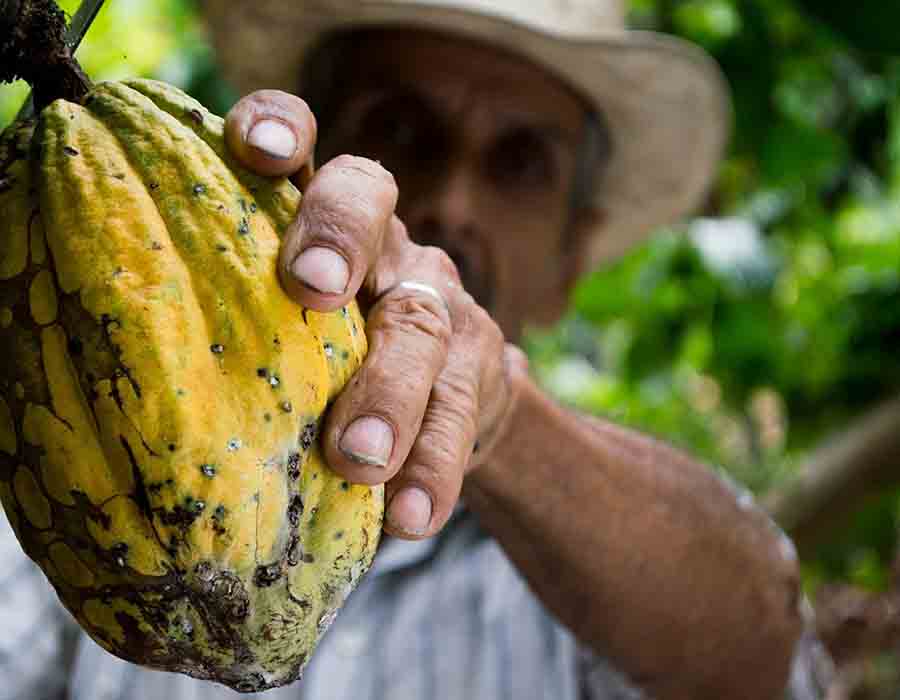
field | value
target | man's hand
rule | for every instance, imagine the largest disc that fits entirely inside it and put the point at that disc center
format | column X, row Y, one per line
column 435, row 382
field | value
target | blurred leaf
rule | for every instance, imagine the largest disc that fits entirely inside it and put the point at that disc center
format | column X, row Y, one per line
column 869, row 24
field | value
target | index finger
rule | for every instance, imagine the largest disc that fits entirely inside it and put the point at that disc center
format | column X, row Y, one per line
column 272, row 133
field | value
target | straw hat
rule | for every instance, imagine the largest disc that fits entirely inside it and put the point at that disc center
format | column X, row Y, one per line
column 664, row 100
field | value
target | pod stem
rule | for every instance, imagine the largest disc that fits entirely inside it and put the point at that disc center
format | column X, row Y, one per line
column 33, row 47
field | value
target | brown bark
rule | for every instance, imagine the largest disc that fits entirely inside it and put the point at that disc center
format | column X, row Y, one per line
column 33, row 47
column 839, row 477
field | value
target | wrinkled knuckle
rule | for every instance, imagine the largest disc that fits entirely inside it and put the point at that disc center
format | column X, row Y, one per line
column 372, row 170
column 437, row 259
column 377, row 376
column 340, row 217
column 417, row 315
column 492, row 333
column 459, row 397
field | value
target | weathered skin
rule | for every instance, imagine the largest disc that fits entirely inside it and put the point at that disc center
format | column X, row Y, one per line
column 160, row 394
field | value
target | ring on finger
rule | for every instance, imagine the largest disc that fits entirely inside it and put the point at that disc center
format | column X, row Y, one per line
column 414, row 286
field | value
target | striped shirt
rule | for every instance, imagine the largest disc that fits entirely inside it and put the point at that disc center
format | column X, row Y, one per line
column 448, row 618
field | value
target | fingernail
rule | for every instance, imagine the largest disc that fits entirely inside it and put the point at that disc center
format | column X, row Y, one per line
column 273, row 138
column 410, row 510
column 368, row 440
column 322, row 269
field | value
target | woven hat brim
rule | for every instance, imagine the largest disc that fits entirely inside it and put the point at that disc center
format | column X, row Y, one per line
column 665, row 101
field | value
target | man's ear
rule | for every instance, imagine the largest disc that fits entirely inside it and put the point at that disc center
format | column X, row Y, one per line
column 586, row 225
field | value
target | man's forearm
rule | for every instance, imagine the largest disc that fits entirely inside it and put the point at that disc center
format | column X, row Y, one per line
column 645, row 554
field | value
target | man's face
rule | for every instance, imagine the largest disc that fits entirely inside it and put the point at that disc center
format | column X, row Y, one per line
column 483, row 147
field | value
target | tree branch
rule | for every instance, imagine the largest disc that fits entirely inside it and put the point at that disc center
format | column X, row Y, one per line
column 839, row 476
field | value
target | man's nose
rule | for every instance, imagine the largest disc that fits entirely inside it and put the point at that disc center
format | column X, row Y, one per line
column 446, row 211
column 446, row 216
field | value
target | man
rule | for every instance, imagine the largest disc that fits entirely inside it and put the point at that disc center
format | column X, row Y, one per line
column 527, row 142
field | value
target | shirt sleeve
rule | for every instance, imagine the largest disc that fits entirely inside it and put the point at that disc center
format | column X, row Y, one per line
column 599, row 680
column 812, row 670
column 39, row 635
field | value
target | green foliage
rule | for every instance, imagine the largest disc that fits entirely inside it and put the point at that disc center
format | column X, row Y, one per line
column 750, row 335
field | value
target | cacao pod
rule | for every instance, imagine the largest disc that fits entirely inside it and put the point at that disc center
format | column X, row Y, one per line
column 160, row 395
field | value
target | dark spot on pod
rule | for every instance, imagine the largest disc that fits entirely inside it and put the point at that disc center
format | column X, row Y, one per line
column 250, row 684
column 267, row 574
column 119, row 551
column 183, row 516
column 185, row 627
column 295, row 510
column 308, row 558
column 345, row 486
column 239, row 609
column 293, row 466
column 243, row 227
column 262, row 373
column 243, row 204
column 69, row 151
column 172, row 447
column 308, row 435
column 339, row 535
column 196, row 116
column 196, row 506
column 294, row 555
column 274, row 381
column 217, row 348
column 156, row 245
column 169, row 482
column 277, row 341
column 180, row 392
column 204, row 571
column 119, row 176
column 199, row 189
column 329, row 349
column 222, row 248
column 267, row 417
column 286, row 406
column 253, row 207
column 217, row 517
column 345, row 355
column 75, row 346
column 344, row 312
column 154, row 186
column 208, row 470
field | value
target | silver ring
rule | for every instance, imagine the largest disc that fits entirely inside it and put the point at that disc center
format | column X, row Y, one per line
column 414, row 286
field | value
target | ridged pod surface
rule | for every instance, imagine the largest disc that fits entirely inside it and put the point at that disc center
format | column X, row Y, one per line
column 160, row 395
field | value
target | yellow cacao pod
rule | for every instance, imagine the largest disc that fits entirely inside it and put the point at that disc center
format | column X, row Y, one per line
column 160, row 395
